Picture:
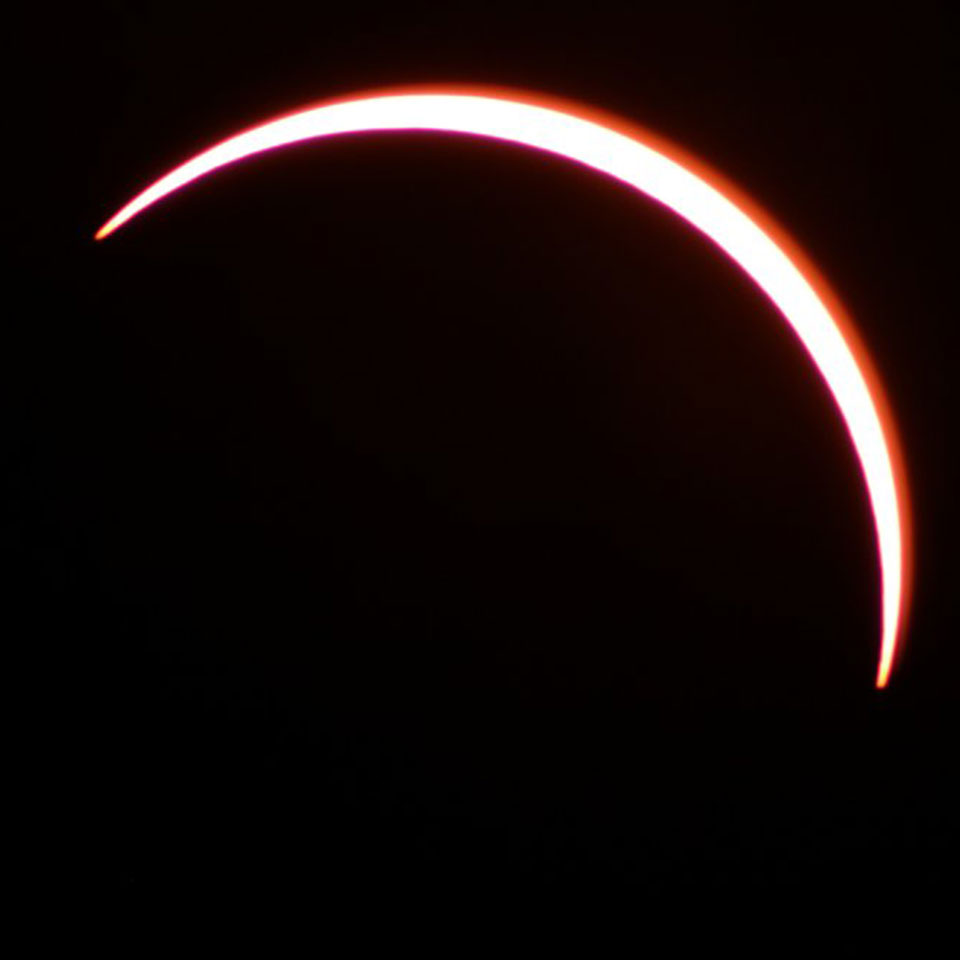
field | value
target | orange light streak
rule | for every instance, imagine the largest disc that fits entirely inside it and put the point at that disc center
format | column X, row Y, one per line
column 661, row 171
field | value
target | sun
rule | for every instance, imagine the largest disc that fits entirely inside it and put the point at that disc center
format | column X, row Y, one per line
column 689, row 189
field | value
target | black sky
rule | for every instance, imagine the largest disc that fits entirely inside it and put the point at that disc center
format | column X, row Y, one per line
column 432, row 510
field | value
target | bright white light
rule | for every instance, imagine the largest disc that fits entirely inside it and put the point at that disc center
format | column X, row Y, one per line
column 642, row 162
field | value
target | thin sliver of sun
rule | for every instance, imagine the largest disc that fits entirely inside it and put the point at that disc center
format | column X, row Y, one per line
column 684, row 185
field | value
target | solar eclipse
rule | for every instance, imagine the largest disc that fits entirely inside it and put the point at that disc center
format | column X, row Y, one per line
column 684, row 186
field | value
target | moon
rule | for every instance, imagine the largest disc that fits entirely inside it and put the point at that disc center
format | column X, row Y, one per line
column 688, row 188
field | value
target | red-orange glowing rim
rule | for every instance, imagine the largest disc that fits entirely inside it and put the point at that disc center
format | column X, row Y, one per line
column 661, row 171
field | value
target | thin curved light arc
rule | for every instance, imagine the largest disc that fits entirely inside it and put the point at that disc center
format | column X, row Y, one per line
column 642, row 162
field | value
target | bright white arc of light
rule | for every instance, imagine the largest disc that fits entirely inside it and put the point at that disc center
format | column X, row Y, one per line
column 658, row 176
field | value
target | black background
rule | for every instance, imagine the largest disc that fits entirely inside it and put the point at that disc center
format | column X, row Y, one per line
column 413, row 512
